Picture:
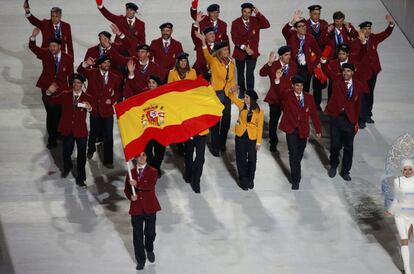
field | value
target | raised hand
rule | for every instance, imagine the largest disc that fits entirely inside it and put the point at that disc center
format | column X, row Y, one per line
column 297, row 15
column 90, row 61
column 115, row 30
column 279, row 74
column 389, row 19
column 200, row 16
column 361, row 36
column 35, row 32
column 255, row 10
column 26, row 6
column 272, row 57
column 131, row 66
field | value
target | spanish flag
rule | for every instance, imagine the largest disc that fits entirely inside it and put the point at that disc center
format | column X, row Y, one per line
column 171, row 113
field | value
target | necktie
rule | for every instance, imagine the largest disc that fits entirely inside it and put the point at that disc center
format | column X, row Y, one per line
column 285, row 69
column 247, row 26
column 105, row 78
column 140, row 172
column 316, row 27
column 166, row 47
column 350, row 90
column 143, row 68
column 339, row 39
column 130, row 23
column 56, row 64
column 75, row 100
column 300, row 101
column 215, row 27
column 301, row 44
column 57, row 32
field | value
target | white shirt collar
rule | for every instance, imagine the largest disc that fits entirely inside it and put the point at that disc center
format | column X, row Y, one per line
column 144, row 64
column 143, row 167
column 338, row 30
column 281, row 63
column 312, row 22
column 133, row 20
column 57, row 25
column 77, row 94
column 104, row 73
column 214, row 22
column 245, row 21
column 301, row 95
column 346, row 61
column 166, row 41
column 58, row 55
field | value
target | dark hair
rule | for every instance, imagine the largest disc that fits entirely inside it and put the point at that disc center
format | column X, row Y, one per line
column 182, row 72
column 338, row 15
column 56, row 9
column 253, row 105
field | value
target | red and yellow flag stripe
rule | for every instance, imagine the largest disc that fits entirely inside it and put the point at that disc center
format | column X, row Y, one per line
column 169, row 114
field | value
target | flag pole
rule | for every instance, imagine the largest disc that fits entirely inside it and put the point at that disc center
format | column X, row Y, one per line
column 127, row 162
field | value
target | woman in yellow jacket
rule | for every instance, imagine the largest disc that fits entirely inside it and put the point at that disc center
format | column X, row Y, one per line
column 197, row 144
column 249, row 130
column 182, row 70
column 222, row 69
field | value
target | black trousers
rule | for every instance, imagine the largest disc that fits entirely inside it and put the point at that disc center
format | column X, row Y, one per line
column 370, row 96
column 219, row 131
column 304, row 73
column 329, row 90
column 68, row 146
column 143, row 225
column 274, row 116
column 53, row 113
column 296, row 147
column 155, row 154
column 317, row 88
column 342, row 136
column 246, row 157
column 245, row 67
column 363, row 112
column 194, row 165
column 103, row 126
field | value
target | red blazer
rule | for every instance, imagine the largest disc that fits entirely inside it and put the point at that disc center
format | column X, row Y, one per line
column 221, row 26
column 94, row 53
column 48, row 32
column 321, row 36
column 48, row 73
column 347, row 36
column 368, row 52
column 137, row 34
column 166, row 61
column 73, row 118
column 100, row 92
column 147, row 202
column 361, row 73
column 251, row 37
column 200, row 64
column 311, row 47
column 273, row 96
column 339, row 101
column 296, row 117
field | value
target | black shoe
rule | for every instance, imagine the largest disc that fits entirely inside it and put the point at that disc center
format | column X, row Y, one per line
column 273, row 148
column 109, row 166
column 151, row 257
column 187, row 179
column 215, row 153
column 223, row 149
column 318, row 108
column 51, row 145
column 81, row 184
column 362, row 125
column 65, row 173
column 251, row 184
column 295, row 185
column 370, row 121
column 140, row 266
column 89, row 155
column 195, row 187
column 332, row 172
column 346, row 177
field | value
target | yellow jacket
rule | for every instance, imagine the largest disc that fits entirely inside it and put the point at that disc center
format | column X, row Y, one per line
column 254, row 127
column 173, row 75
column 218, row 72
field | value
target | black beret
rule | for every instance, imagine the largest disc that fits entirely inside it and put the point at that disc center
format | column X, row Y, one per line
column 55, row 40
column 166, row 25
column 182, row 55
column 144, row 47
column 208, row 29
column 283, row 49
column 220, row 45
column 155, row 78
column 314, row 7
column 247, row 6
column 213, row 7
column 365, row 24
column 102, row 59
column 344, row 47
column 297, row 79
column 106, row 34
column 131, row 6
column 77, row 76
column 348, row 66
column 252, row 94
column 302, row 20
